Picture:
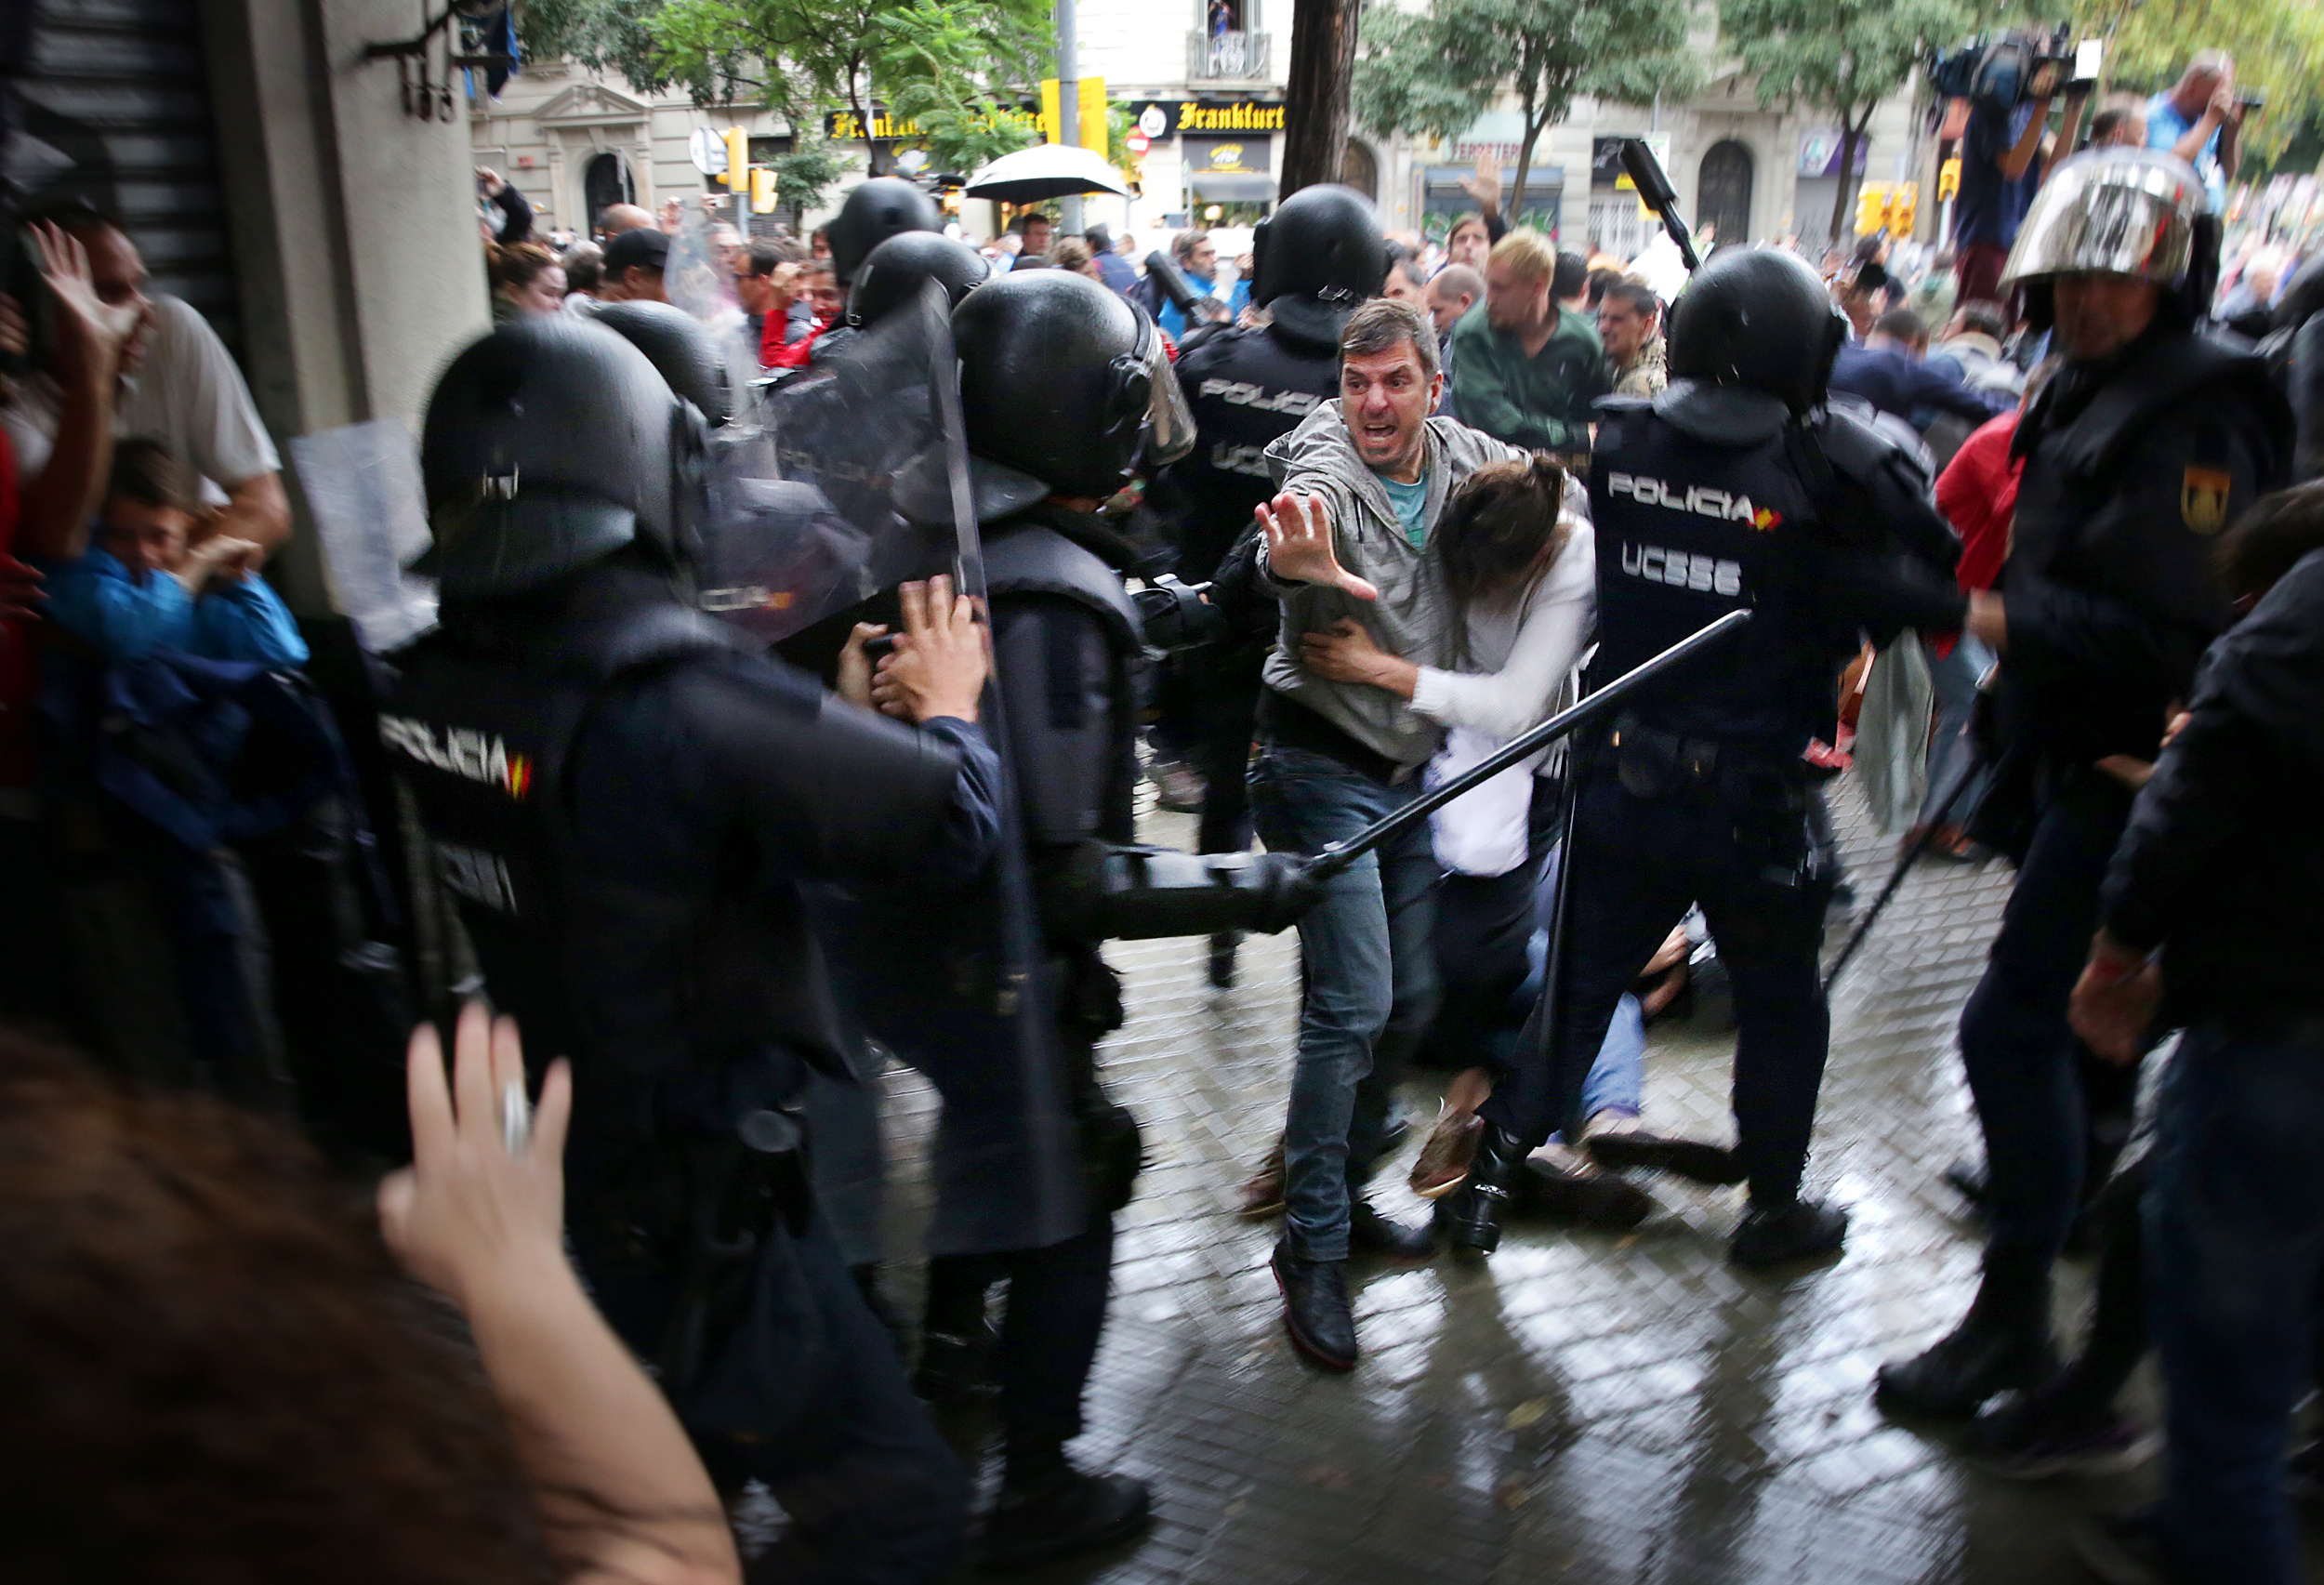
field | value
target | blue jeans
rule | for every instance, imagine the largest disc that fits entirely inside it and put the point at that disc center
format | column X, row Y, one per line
column 1371, row 978
column 2235, row 1223
column 1954, row 679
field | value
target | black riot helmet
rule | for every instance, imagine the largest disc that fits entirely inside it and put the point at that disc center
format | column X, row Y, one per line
column 1318, row 257
column 873, row 213
column 548, row 444
column 1065, row 381
column 1758, row 318
column 892, row 273
column 681, row 350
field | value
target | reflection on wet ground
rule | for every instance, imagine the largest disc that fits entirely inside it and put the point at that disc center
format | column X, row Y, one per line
column 1583, row 1406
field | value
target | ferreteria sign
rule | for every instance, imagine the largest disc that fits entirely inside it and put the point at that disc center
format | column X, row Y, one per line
column 845, row 126
column 1166, row 118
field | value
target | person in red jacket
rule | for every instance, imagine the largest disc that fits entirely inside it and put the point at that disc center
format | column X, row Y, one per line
column 822, row 290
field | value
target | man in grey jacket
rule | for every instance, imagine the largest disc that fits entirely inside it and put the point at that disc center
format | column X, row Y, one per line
column 1365, row 480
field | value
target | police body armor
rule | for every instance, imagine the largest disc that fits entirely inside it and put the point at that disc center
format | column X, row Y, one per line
column 1686, row 532
column 1247, row 389
column 658, row 955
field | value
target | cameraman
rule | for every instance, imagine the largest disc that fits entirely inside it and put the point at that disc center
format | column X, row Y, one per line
column 2003, row 158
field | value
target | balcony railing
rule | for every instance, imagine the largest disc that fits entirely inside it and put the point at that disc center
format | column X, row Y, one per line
column 1230, row 57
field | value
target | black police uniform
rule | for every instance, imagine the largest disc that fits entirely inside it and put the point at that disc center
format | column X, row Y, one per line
column 626, row 806
column 1066, row 652
column 1706, row 501
column 1245, row 389
column 2132, row 469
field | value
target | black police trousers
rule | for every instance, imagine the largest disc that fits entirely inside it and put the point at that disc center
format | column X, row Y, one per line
column 808, row 1396
column 2021, row 1056
column 1049, row 1337
column 1638, row 863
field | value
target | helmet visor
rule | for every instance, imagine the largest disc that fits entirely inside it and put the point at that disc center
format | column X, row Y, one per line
column 2118, row 212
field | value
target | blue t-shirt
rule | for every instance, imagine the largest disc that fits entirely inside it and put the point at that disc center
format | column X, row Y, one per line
column 1990, row 207
column 2166, row 125
column 1411, row 504
column 1174, row 322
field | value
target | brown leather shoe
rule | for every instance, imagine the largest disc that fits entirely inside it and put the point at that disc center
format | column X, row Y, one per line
column 1262, row 1193
column 1444, row 1159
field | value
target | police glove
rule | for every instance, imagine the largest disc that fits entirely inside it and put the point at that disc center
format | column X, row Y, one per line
column 1886, row 592
column 1122, row 893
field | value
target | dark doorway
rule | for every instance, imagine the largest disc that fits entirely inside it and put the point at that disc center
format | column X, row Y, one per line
column 1723, row 195
column 604, row 183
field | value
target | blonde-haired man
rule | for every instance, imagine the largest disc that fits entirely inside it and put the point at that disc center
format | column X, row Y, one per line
column 1525, row 368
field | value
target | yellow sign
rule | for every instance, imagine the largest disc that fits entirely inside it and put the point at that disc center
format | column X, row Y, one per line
column 1948, row 178
column 846, row 126
column 1233, row 117
column 1090, row 96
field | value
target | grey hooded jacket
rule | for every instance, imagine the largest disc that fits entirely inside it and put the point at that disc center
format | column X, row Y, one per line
column 1413, row 618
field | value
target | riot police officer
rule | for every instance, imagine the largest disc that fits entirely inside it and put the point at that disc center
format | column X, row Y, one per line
column 1064, row 386
column 2149, row 440
column 624, row 805
column 1737, row 488
column 891, row 274
column 1319, row 256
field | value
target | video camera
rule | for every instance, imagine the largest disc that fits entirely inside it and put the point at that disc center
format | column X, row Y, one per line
column 2002, row 72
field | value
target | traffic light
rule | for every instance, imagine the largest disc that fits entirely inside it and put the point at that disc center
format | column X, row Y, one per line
column 762, row 190
column 1871, row 207
column 1904, row 208
column 737, row 175
column 1949, row 179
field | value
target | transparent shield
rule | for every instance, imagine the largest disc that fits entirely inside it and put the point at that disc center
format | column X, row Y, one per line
column 838, row 487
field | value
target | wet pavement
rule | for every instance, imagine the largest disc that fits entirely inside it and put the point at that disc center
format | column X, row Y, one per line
column 1582, row 1406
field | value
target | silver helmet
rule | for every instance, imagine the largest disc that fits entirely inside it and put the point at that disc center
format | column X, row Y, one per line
column 2135, row 212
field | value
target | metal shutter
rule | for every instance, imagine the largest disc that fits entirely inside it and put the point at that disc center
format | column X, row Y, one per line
column 118, row 88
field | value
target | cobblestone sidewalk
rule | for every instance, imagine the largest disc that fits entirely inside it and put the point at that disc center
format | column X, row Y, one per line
column 1582, row 1406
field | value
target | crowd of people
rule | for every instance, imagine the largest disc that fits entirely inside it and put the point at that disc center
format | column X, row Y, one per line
column 1300, row 541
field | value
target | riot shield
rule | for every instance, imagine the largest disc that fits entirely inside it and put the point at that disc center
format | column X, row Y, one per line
column 835, row 488
column 695, row 279
column 874, row 489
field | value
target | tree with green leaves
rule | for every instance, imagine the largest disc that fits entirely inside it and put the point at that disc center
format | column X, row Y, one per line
column 959, row 68
column 1433, row 73
column 1839, row 57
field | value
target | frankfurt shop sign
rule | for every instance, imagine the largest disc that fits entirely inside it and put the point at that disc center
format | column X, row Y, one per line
column 1207, row 117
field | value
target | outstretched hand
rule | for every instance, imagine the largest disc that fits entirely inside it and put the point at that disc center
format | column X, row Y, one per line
column 481, row 1200
column 1300, row 548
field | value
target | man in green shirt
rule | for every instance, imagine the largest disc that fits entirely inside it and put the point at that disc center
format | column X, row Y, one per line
column 1525, row 367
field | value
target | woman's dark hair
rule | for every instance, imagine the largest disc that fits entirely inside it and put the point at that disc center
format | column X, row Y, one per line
column 148, row 472
column 516, row 264
column 1501, row 530
column 2268, row 540
column 211, row 1370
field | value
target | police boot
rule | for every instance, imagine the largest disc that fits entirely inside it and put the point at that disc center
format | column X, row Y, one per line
column 1047, row 1510
column 2002, row 1344
column 1471, row 1217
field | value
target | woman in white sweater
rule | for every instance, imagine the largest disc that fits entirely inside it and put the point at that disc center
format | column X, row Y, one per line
column 1519, row 561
